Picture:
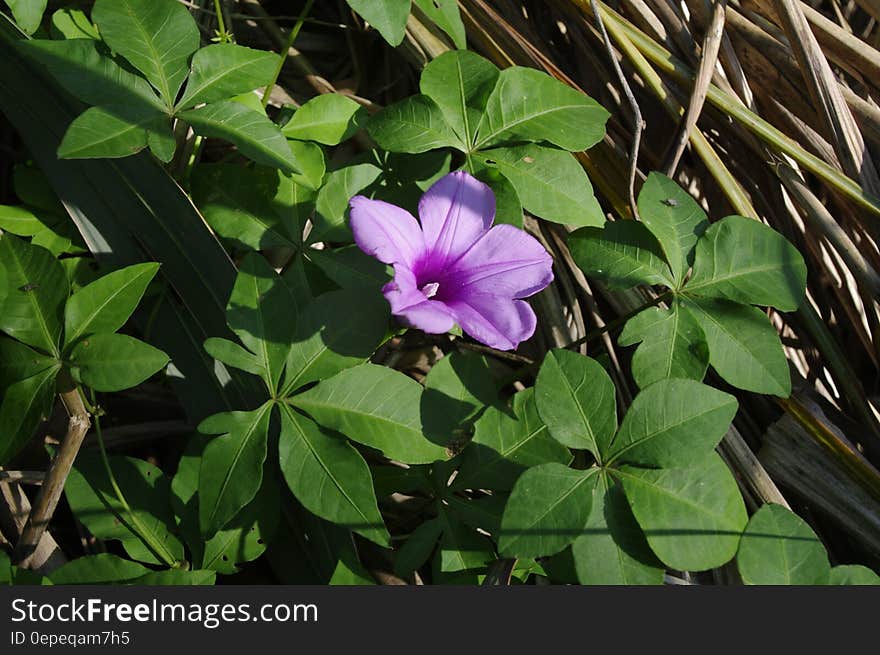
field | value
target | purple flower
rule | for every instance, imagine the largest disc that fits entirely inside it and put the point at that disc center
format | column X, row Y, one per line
column 455, row 267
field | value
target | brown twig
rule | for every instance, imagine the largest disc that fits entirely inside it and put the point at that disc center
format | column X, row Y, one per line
column 53, row 485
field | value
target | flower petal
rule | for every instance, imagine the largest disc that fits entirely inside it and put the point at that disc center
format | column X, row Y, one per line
column 385, row 231
column 505, row 262
column 454, row 213
column 495, row 321
column 410, row 304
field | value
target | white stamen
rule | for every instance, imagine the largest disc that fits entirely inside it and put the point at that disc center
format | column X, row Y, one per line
column 430, row 289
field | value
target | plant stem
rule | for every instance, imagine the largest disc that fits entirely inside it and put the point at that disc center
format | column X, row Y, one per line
column 290, row 39
column 157, row 549
column 619, row 321
column 50, row 492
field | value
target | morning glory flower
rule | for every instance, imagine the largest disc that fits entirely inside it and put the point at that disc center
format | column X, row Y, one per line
column 455, row 267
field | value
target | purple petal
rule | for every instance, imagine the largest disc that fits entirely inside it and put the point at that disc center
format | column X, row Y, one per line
column 413, row 307
column 385, row 231
column 498, row 322
column 505, row 262
column 454, row 212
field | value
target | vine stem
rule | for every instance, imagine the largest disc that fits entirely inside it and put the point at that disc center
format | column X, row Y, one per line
column 290, row 39
column 620, row 320
column 221, row 24
column 159, row 550
column 78, row 425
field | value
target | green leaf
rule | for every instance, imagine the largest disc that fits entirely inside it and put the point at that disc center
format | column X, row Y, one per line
column 623, row 254
column 576, row 399
column 612, row 549
column 330, row 119
column 744, row 347
column 780, row 548
column 445, row 14
column 224, row 70
column 853, row 574
column 253, row 133
column 103, row 568
column 506, row 443
column 259, row 312
column 413, row 125
column 177, row 578
column 332, row 204
column 457, row 388
column 745, row 261
column 529, row 105
column 294, row 203
column 672, row 345
column 18, row 361
column 156, row 36
column 329, row 477
column 459, row 82
column 72, row 24
column 673, row 423
column 231, row 354
column 232, row 465
column 161, row 141
column 675, row 218
column 107, row 303
column 146, row 490
column 112, row 131
column 24, row 404
column 350, row 267
column 550, row 183
column 237, row 203
column 387, row 16
column 310, row 159
column 114, row 362
column 418, row 547
column 85, row 70
column 337, row 330
column 19, row 220
column 28, row 13
column 547, row 510
column 482, row 513
column 375, row 406
column 33, row 289
column 692, row 517
column 508, row 208
column 461, row 548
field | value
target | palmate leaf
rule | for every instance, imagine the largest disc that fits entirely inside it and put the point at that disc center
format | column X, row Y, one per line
column 527, row 104
column 387, row 16
column 459, row 83
column 18, row 361
column 329, row 119
column 375, row 406
column 418, row 547
column 547, row 510
column 576, row 399
column 780, row 548
column 114, row 362
column 107, row 303
column 413, row 125
column 103, row 568
column 224, row 70
column 461, row 548
column 110, row 131
column 147, row 537
column 675, row 218
column 24, row 404
column 252, row 132
column 506, row 443
column 744, row 347
column 333, row 198
column 329, row 477
column 156, row 36
column 34, row 291
column 673, row 423
column 853, row 574
column 232, row 465
column 550, row 183
column 445, row 14
column 612, row 549
column 623, row 254
column 692, row 517
column 672, row 345
column 743, row 260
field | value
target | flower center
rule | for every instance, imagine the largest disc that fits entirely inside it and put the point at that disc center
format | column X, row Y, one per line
column 430, row 289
